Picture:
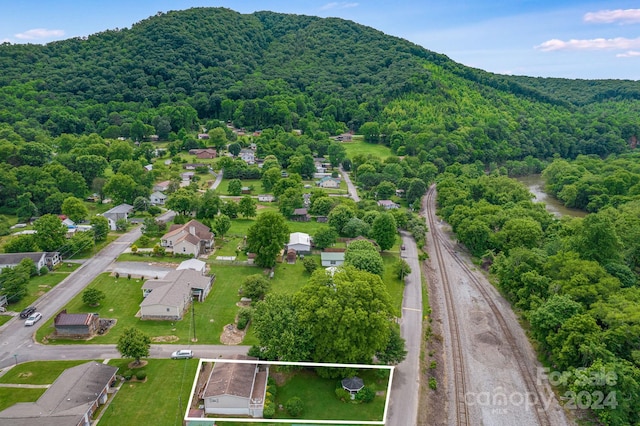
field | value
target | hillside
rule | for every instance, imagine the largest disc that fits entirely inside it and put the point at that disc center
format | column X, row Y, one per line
column 181, row 68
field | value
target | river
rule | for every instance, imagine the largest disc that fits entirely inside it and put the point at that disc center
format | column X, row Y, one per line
column 535, row 183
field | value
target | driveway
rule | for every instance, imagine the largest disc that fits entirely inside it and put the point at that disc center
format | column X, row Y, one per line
column 353, row 192
column 138, row 269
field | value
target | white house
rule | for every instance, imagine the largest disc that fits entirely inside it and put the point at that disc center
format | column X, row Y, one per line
column 248, row 155
column 236, row 389
column 162, row 186
column 388, row 204
column 118, row 212
column 300, row 242
column 266, row 198
column 158, row 198
column 329, row 182
column 192, row 238
column 194, row 265
column 40, row 259
column 168, row 298
column 331, row 258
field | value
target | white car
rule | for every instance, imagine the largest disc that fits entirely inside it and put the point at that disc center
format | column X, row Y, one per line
column 34, row 318
column 182, row 354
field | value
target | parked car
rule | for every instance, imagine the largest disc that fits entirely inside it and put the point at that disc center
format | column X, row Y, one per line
column 33, row 319
column 403, row 247
column 26, row 312
column 182, row 354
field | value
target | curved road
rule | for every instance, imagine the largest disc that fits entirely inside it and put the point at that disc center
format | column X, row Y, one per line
column 353, row 192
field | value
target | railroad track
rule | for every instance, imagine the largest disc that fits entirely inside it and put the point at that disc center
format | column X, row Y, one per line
column 459, row 374
column 521, row 360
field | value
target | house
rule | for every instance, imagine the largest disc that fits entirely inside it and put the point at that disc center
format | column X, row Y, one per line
column 158, row 199
column 345, row 137
column 162, row 186
column 237, row 389
column 40, row 259
column 204, row 153
column 331, row 258
column 300, row 215
column 72, row 399
column 154, row 138
column 388, row 204
column 245, row 190
column 118, row 212
column 194, row 265
column 148, row 167
column 329, row 182
column 300, row 242
column 187, row 176
column 192, row 238
column 168, row 298
column 266, row 198
column 400, row 193
column 322, row 219
column 203, row 136
column 76, row 325
column 248, row 155
column 193, row 166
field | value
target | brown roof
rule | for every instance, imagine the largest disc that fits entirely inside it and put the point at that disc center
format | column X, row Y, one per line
column 300, row 212
column 230, row 378
column 63, row 318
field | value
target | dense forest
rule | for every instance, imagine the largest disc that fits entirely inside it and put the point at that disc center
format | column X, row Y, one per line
column 77, row 117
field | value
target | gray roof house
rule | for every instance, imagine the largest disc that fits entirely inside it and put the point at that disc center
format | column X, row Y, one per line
column 158, row 198
column 40, row 258
column 236, row 388
column 118, row 212
column 71, row 400
column 168, row 298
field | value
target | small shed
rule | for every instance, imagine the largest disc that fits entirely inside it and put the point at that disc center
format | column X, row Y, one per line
column 76, row 325
column 291, row 256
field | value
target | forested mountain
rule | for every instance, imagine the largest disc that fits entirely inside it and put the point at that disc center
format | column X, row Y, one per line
column 182, row 68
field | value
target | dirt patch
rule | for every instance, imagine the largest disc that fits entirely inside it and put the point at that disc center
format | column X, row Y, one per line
column 231, row 335
column 132, row 365
column 25, row 374
column 165, row 339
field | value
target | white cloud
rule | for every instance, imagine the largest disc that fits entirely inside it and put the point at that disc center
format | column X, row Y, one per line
column 623, row 16
column 39, row 33
column 618, row 43
column 628, row 54
column 338, row 5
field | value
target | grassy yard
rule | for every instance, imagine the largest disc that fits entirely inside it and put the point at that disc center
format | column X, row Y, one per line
column 321, row 403
column 41, row 284
column 160, row 400
column 223, row 188
column 38, row 372
column 361, row 147
column 10, row 396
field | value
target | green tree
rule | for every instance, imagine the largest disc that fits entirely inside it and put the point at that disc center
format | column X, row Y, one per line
column 395, row 352
column 337, row 154
column 325, row 237
column 121, row 189
column 235, row 187
column 520, row 232
column 401, row 269
column 247, row 206
column 347, row 314
column 13, row 284
column 384, row 230
column 229, row 208
column 290, row 200
column 75, row 209
column 385, row 190
column 235, row 149
column 416, row 190
column 266, row 237
column 221, row 225
column 182, row 201
column 270, row 177
column 321, row 206
column 364, row 256
column 100, row 226
column 141, row 204
column 90, row 167
column 356, row 227
column 120, row 150
column 294, row 406
column 282, row 337
column 255, row 286
column 92, row 296
column 339, row 216
column 50, row 232
column 26, row 208
column 21, row 244
column 209, row 206
column 309, row 264
column 547, row 319
column 133, row 343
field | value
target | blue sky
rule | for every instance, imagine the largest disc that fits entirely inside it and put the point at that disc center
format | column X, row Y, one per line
column 561, row 38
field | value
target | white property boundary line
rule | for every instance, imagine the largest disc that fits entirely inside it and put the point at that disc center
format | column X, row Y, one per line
column 297, row 421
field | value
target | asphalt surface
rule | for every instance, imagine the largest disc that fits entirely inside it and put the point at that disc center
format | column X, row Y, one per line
column 353, row 192
column 405, row 389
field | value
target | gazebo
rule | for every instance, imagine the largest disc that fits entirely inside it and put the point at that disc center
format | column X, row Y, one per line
column 352, row 385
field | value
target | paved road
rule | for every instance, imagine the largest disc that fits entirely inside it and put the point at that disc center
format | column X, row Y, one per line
column 216, row 182
column 18, row 339
column 353, row 192
column 405, row 389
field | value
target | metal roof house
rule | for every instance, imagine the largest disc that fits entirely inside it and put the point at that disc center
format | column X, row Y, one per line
column 116, row 213
column 168, row 298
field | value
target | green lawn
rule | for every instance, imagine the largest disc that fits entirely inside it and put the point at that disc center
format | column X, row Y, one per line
column 40, row 284
column 395, row 286
column 223, row 188
column 10, row 396
column 38, row 372
column 5, row 319
column 160, row 400
column 321, row 403
column 361, row 147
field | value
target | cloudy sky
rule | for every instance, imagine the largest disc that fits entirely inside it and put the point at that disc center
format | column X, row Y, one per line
column 559, row 38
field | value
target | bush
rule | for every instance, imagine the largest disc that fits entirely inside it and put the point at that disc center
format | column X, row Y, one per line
column 154, row 210
column 43, row 271
column 309, row 264
column 294, row 406
column 269, row 411
column 343, row 394
column 433, row 383
column 244, row 316
column 144, row 240
column 255, row 287
column 366, row 394
column 141, row 375
column 127, row 375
